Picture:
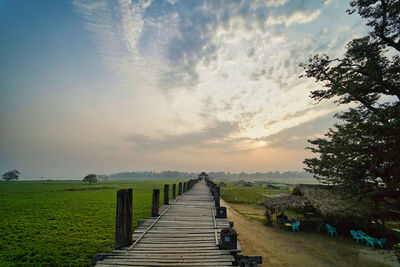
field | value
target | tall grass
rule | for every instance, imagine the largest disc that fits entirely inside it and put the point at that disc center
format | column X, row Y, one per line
column 247, row 195
column 62, row 222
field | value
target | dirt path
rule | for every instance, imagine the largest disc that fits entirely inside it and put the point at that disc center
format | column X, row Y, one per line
column 280, row 248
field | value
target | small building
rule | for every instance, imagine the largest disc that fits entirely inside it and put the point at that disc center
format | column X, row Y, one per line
column 329, row 202
column 203, row 176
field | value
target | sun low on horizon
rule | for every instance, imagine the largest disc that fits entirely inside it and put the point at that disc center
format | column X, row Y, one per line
column 107, row 86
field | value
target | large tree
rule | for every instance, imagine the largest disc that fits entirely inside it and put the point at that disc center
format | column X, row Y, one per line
column 91, row 178
column 11, row 175
column 362, row 152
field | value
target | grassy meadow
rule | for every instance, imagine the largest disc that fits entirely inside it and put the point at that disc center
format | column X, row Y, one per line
column 240, row 194
column 64, row 222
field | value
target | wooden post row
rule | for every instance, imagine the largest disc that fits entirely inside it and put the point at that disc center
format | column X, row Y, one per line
column 217, row 197
column 123, row 223
column 155, row 203
column 166, row 194
column 180, row 189
column 173, row 191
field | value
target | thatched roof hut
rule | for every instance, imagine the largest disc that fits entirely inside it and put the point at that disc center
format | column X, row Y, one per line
column 327, row 201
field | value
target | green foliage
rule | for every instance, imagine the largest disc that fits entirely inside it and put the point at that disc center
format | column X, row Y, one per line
column 247, row 195
column 11, row 175
column 64, row 222
column 362, row 151
column 91, row 178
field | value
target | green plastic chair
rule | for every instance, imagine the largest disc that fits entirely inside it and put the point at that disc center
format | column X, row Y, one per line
column 331, row 229
column 381, row 242
column 356, row 236
column 295, row 226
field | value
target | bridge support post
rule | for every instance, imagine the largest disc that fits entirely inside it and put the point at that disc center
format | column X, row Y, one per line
column 217, row 197
column 123, row 224
column 180, row 189
column 228, row 239
column 184, row 187
column 166, row 194
column 173, row 191
column 221, row 213
column 155, row 203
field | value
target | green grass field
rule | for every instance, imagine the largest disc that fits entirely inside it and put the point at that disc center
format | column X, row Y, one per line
column 247, row 195
column 62, row 222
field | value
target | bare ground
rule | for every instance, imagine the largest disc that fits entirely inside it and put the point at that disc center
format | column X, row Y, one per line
column 286, row 248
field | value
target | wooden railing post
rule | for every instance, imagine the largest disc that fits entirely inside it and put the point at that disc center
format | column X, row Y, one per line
column 184, row 187
column 180, row 189
column 123, row 223
column 173, row 191
column 166, row 194
column 155, row 203
column 217, row 197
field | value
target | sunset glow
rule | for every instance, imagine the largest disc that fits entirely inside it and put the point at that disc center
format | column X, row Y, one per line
column 107, row 86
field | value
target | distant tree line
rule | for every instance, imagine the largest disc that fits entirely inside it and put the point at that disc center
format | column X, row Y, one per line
column 219, row 175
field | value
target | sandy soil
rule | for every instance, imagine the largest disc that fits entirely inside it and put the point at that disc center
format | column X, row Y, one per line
column 286, row 248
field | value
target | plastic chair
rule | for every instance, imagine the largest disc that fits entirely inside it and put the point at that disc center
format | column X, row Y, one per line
column 331, row 230
column 355, row 235
column 295, row 226
column 363, row 235
column 380, row 242
column 370, row 241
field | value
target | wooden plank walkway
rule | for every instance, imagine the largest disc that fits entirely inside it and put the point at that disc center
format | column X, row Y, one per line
column 185, row 234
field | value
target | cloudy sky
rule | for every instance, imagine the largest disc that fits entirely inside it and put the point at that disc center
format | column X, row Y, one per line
column 106, row 86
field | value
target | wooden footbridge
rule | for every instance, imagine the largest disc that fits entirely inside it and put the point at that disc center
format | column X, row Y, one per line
column 188, row 230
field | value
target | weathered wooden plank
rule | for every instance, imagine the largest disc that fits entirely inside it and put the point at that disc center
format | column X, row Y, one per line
column 174, row 257
column 167, row 262
column 174, row 245
column 207, row 253
column 178, row 235
column 184, row 235
column 163, row 264
column 175, row 235
column 177, row 241
column 187, row 231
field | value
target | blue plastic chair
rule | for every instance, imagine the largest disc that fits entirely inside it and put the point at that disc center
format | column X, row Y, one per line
column 355, row 235
column 363, row 235
column 370, row 241
column 380, row 242
column 331, row 230
column 295, row 226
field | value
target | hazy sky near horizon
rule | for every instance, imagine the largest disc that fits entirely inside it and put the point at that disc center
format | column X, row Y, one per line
column 107, row 86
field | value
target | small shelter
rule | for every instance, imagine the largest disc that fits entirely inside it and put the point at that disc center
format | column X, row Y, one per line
column 203, row 176
column 327, row 201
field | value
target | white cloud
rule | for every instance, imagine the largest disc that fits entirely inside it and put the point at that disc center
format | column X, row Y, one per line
column 297, row 17
column 235, row 62
column 116, row 27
